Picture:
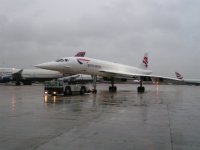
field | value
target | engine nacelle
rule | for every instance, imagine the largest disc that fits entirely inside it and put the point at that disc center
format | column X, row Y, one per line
column 5, row 79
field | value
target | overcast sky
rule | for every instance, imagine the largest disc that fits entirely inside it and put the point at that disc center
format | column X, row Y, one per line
column 36, row 31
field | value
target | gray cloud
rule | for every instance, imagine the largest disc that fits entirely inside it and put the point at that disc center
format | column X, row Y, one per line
column 32, row 32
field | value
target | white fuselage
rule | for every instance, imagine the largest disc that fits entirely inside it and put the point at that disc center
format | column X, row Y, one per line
column 90, row 66
column 8, row 71
column 6, row 74
column 40, row 73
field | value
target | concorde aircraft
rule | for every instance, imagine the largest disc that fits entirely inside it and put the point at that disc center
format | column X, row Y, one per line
column 95, row 67
column 27, row 76
column 187, row 81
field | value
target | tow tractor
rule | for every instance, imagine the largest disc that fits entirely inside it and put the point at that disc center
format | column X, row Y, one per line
column 60, row 87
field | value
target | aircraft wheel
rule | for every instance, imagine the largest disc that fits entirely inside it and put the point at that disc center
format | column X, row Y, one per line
column 112, row 89
column 68, row 91
column 140, row 89
column 17, row 83
column 94, row 91
column 115, row 89
column 27, row 83
column 83, row 90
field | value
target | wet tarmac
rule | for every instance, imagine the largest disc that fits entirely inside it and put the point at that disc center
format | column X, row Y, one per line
column 165, row 117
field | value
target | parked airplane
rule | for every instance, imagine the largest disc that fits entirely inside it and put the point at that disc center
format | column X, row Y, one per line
column 6, row 74
column 95, row 67
column 27, row 76
column 187, row 81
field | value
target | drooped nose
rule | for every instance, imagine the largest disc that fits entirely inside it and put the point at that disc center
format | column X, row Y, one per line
column 48, row 65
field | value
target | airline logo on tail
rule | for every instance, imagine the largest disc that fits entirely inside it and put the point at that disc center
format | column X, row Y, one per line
column 179, row 76
column 145, row 61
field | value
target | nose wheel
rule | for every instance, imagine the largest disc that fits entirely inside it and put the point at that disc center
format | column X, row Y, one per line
column 94, row 91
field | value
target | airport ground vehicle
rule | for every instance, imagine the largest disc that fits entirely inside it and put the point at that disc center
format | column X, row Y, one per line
column 65, row 88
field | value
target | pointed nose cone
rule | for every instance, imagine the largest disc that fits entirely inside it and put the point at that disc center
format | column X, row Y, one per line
column 48, row 65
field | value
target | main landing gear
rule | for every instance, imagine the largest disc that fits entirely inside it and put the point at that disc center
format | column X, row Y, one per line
column 17, row 83
column 94, row 90
column 141, row 89
column 112, row 88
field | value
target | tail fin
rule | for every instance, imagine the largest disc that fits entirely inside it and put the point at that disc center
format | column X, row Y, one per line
column 145, row 61
column 178, row 76
column 80, row 54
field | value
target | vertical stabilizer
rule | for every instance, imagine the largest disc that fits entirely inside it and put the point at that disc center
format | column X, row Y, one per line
column 179, row 76
column 145, row 61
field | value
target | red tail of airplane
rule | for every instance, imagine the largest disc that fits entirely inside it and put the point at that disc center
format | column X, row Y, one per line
column 145, row 61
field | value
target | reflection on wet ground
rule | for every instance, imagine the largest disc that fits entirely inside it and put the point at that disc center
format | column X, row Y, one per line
column 164, row 117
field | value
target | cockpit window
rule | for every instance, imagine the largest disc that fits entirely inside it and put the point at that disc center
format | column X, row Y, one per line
column 66, row 60
column 60, row 60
